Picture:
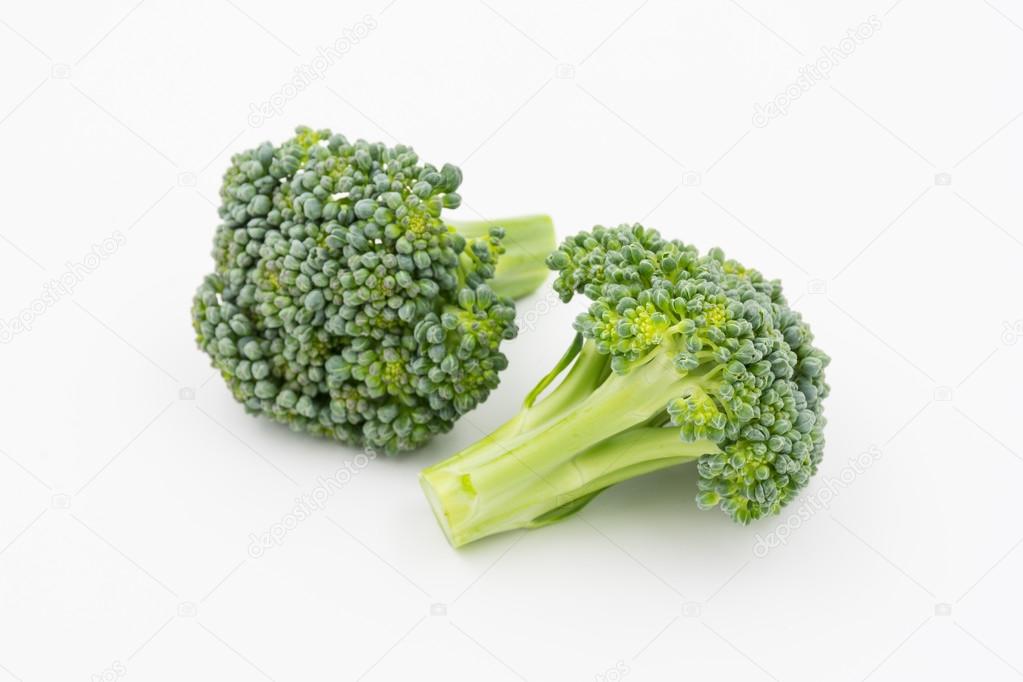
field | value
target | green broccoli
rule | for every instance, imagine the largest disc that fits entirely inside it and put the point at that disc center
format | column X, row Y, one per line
column 344, row 305
column 679, row 358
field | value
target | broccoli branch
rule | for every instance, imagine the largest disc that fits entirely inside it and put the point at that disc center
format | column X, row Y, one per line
column 679, row 357
column 592, row 431
column 526, row 243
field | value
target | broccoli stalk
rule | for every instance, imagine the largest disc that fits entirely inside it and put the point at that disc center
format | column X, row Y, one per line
column 679, row 359
column 526, row 243
column 550, row 460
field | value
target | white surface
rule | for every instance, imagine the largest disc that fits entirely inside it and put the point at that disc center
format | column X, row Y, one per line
column 126, row 511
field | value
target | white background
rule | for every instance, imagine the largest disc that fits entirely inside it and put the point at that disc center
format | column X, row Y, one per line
column 886, row 199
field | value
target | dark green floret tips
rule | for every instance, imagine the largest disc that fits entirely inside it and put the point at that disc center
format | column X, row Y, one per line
column 345, row 305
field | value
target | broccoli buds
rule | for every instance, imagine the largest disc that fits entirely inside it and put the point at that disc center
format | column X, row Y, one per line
column 343, row 305
column 679, row 358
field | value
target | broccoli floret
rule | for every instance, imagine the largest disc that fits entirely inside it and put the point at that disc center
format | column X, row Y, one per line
column 679, row 358
column 344, row 305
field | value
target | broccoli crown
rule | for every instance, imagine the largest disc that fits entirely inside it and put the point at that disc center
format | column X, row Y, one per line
column 341, row 302
column 752, row 381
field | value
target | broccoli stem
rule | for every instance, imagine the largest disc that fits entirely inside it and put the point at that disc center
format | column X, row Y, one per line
column 547, row 462
column 588, row 370
column 528, row 240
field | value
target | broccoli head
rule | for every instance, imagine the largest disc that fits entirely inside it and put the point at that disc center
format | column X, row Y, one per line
column 679, row 358
column 343, row 304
